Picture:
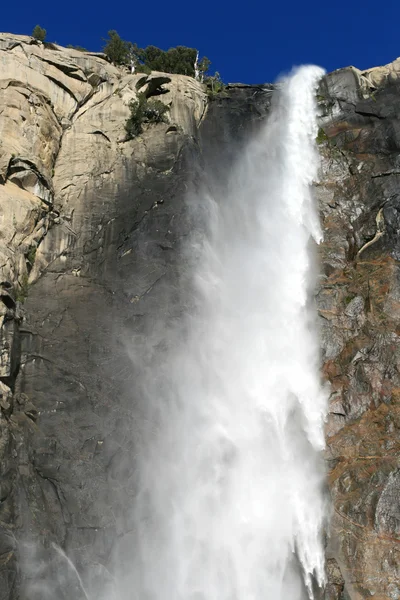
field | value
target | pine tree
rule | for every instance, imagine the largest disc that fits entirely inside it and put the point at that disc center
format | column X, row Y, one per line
column 204, row 65
column 116, row 49
column 39, row 33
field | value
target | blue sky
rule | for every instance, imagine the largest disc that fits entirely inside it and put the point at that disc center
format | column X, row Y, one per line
column 250, row 41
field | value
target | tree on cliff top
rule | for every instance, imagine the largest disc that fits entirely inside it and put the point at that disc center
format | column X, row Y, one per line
column 39, row 33
column 203, row 66
column 175, row 60
column 116, row 49
column 180, row 60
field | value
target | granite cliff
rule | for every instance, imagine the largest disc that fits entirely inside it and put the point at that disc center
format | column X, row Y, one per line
column 90, row 256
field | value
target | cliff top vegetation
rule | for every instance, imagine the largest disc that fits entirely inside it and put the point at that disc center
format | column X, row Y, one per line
column 179, row 59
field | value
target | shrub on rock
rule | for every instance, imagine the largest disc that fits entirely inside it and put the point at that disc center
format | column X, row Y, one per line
column 144, row 111
column 39, row 33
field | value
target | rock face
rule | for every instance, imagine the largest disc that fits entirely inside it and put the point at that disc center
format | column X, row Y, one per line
column 90, row 247
column 358, row 302
column 89, row 225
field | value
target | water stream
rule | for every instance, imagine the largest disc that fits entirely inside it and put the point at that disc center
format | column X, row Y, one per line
column 231, row 503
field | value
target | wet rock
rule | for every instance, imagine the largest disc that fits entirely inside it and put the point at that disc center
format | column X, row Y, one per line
column 358, row 302
column 387, row 513
column 335, row 583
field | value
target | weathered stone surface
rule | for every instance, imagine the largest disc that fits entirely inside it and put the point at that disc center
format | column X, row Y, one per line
column 30, row 110
column 335, row 583
column 381, row 76
column 358, row 303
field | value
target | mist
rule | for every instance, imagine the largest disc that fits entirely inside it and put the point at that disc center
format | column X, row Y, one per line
column 229, row 477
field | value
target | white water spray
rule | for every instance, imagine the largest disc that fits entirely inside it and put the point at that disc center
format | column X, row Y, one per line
column 72, row 568
column 230, row 505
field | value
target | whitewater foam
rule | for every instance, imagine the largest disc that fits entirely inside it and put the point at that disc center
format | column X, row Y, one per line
column 230, row 503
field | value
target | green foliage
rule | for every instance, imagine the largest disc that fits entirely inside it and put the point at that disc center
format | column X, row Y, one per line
column 30, row 256
column 180, row 60
column 134, row 123
column 50, row 45
column 321, row 136
column 142, row 69
column 155, row 111
column 175, row 60
column 116, row 49
column 204, row 64
column 144, row 111
column 39, row 33
column 135, row 53
column 214, row 84
column 80, row 48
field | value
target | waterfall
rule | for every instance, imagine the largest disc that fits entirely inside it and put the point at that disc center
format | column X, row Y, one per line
column 230, row 502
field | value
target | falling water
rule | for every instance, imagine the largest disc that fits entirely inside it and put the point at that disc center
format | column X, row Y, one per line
column 72, row 568
column 230, row 503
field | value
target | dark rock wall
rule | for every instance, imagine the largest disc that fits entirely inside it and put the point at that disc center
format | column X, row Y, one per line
column 358, row 303
column 76, row 366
